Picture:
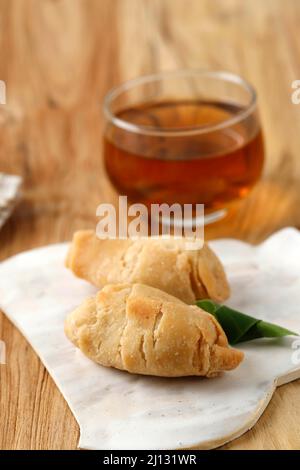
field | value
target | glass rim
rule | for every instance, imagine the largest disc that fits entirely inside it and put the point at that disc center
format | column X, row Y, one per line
column 196, row 130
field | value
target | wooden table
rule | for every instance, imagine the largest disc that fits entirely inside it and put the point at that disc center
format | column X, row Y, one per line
column 58, row 58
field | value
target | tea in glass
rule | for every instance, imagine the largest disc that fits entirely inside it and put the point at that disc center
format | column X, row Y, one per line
column 184, row 137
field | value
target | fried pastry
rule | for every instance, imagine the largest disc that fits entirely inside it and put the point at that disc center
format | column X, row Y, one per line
column 143, row 330
column 164, row 264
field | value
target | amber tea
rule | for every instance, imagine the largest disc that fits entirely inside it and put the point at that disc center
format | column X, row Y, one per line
column 184, row 151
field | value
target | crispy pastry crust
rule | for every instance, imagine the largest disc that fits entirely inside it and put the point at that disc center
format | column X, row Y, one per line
column 143, row 330
column 164, row 264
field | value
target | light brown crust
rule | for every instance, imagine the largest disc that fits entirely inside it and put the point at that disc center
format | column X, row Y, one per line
column 164, row 264
column 143, row 330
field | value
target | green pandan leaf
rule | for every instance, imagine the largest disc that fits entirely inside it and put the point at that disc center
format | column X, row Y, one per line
column 239, row 327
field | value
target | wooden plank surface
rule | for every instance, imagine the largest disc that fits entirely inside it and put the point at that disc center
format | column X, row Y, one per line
column 58, row 58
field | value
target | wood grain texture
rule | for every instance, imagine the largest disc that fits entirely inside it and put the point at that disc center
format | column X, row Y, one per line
column 58, row 58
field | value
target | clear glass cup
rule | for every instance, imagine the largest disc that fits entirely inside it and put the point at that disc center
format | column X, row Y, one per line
column 187, row 137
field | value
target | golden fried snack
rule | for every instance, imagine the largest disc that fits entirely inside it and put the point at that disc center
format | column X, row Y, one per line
column 165, row 264
column 143, row 330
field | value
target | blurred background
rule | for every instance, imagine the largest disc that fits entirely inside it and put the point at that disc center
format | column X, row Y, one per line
column 58, row 60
